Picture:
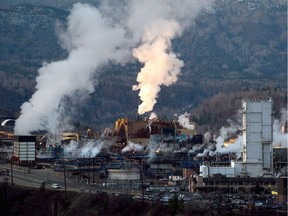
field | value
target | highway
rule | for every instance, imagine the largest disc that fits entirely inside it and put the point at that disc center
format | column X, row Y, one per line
column 31, row 177
column 25, row 176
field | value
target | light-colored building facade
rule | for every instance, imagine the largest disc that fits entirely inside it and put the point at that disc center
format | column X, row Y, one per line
column 257, row 152
column 257, row 148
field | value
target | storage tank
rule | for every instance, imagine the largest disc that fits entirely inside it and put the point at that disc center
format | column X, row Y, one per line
column 124, row 174
column 204, row 171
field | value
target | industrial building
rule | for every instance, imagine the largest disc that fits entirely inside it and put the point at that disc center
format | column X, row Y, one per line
column 257, row 148
column 145, row 131
column 167, row 159
column 258, row 158
column 24, row 150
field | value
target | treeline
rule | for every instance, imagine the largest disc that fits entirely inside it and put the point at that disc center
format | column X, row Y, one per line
column 214, row 112
column 42, row 202
column 233, row 47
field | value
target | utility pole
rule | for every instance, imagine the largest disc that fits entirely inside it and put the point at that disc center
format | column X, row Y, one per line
column 89, row 171
column 65, row 178
column 93, row 172
column 105, row 179
column 142, row 180
column 11, row 162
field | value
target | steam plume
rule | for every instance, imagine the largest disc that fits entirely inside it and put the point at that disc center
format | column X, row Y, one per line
column 90, row 40
column 90, row 149
column 132, row 147
column 97, row 36
column 185, row 122
column 161, row 66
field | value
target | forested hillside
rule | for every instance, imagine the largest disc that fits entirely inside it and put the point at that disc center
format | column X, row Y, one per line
column 217, row 111
column 233, row 46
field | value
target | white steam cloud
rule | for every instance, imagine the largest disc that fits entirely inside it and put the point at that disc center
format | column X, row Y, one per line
column 97, row 36
column 165, row 20
column 185, row 122
column 90, row 149
column 280, row 137
column 161, row 66
column 90, row 40
column 132, row 147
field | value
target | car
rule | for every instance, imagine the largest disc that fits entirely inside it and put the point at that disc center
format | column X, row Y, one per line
column 173, row 190
column 55, row 186
column 148, row 189
column 6, row 178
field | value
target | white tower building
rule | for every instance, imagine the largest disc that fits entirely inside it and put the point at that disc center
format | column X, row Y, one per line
column 257, row 151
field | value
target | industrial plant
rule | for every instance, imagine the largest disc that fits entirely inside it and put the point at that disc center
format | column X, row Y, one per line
column 151, row 154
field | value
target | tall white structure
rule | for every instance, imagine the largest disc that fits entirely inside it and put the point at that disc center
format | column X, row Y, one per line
column 257, row 151
column 24, row 149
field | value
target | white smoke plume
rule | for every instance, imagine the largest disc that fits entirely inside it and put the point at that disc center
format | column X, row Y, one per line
column 156, row 147
column 161, row 66
column 185, row 122
column 280, row 138
column 152, row 117
column 206, row 151
column 235, row 147
column 90, row 149
column 91, row 42
column 166, row 20
column 207, row 137
column 152, row 148
column 227, row 133
column 132, row 147
column 97, row 36
column 194, row 149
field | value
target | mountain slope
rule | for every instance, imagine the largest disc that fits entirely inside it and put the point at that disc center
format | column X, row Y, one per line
column 233, row 46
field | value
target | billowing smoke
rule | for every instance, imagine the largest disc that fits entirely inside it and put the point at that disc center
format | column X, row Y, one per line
column 132, row 147
column 90, row 149
column 152, row 117
column 98, row 36
column 235, row 147
column 226, row 133
column 185, row 122
column 165, row 21
column 154, row 148
column 280, row 137
column 161, row 66
column 211, row 148
column 90, row 40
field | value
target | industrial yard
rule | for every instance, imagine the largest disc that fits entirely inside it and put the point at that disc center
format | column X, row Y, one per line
column 159, row 161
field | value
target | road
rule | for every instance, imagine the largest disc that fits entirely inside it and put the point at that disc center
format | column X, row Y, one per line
column 24, row 176
column 30, row 177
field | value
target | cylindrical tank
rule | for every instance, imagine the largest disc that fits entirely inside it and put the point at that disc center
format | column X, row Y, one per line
column 204, row 171
column 124, row 174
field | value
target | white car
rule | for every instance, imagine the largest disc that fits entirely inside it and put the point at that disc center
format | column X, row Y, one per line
column 55, row 186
